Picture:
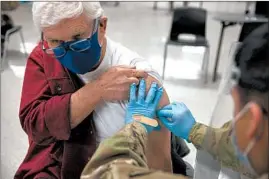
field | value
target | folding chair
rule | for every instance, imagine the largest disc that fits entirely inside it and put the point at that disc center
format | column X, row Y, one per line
column 189, row 20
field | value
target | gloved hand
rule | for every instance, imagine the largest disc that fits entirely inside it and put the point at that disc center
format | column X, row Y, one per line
column 143, row 105
column 177, row 118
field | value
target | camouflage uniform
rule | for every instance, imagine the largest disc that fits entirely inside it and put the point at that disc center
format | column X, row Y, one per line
column 123, row 155
column 217, row 142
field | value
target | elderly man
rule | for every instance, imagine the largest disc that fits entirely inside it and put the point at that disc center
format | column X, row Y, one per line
column 75, row 90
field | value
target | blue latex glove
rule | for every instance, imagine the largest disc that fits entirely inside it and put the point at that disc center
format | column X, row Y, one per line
column 177, row 118
column 143, row 105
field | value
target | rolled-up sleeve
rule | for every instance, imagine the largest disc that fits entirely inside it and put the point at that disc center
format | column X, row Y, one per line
column 44, row 117
column 142, row 64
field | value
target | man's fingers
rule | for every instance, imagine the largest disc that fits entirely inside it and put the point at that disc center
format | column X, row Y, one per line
column 141, row 91
column 165, row 113
column 139, row 74
column 132, row 80
column 152, row 92
column 158, row 97
column 132, row 96
column 134, row 73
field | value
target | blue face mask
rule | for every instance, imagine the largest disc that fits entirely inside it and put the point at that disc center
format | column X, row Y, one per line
column 80, row 57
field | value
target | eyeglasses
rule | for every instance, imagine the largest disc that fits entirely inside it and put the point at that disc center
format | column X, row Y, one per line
column 77, row 46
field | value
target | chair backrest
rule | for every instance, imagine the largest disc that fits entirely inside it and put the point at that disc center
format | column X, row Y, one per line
column 6, row 24
column 188, row 20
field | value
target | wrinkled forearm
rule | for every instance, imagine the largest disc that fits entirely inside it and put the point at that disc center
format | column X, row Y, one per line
column 128, row 144
column 83, row 103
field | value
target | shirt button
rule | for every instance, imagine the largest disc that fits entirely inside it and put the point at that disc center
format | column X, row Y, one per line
column 58, row 88
column 90, row 132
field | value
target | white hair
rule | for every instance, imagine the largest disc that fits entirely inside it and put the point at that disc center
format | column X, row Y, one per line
column 50, row 13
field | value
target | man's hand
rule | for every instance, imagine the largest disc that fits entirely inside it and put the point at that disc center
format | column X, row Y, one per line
column 115, row 83
column 142, row 104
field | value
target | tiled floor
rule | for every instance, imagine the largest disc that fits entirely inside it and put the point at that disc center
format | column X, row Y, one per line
column 139, row 27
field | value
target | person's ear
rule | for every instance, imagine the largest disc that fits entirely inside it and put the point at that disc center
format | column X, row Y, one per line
column 103, row 24
column 102, row 30
column 256, row 121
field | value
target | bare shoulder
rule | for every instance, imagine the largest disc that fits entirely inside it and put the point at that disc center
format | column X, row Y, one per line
column 165, row 99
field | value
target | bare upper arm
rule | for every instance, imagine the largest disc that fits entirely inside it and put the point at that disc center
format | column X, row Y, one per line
column 159, row 144
column 165, row 99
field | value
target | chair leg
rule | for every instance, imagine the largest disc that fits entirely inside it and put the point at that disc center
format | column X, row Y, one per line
column 164, row 59
column 171, row 6
column 205, row 65
column 3, row 59
column 117, row 3
column 155, row 5
column 23, row 44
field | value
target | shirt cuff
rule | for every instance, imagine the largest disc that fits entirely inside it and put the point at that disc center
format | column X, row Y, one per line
column 57, row 116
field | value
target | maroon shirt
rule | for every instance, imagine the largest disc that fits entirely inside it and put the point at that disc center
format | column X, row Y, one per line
column 55, row 151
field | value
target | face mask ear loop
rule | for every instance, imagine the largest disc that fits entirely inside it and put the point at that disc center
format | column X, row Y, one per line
column 240, row 114
column 238, row 117
column 249, row 147
column 95, row 29
column 96, row 24
column 253, row 141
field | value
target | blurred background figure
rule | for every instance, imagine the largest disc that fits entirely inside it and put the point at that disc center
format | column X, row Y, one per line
column 6, row 21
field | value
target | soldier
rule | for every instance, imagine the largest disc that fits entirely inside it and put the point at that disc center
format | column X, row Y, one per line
column 241, row 144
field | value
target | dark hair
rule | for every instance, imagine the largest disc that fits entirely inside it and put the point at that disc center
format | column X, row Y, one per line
column 253, row 61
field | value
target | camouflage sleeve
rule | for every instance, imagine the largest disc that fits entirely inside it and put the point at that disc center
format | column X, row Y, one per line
column 217, row 142
column 127, row 146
